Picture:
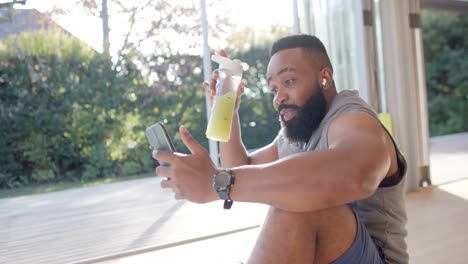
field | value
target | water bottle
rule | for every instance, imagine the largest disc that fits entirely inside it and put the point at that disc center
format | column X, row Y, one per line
column 229, row 77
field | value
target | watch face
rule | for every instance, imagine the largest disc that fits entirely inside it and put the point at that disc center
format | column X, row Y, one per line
column 222, row 179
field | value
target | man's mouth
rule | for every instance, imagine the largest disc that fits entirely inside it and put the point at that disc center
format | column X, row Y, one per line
column 288, row 113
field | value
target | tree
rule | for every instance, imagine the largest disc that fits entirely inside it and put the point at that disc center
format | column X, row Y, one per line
column 149, row 26
column 69, row 116
column 71, row 113
column 154, row 34
column 58, row 108
column 446, row 55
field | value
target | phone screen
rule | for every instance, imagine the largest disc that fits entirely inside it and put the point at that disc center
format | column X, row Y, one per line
column 158, row 137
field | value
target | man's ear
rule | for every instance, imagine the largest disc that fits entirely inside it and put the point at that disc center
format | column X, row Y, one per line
column 326, row 78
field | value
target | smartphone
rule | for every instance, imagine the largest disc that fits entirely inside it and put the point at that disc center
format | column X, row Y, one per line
column 159, row 139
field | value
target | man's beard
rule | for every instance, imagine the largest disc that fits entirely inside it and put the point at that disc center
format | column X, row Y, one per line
column 307, row 120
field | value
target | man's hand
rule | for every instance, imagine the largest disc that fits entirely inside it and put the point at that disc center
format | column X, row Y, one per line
column 210, row 86
column 189, row 175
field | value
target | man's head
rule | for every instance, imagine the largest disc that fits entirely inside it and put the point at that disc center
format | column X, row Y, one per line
column 300, row 76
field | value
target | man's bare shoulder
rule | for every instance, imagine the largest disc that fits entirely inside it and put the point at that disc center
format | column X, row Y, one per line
column 364, row 138
column 356, row 125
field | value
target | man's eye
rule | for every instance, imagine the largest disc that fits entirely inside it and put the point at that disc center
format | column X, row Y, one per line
column 289, row 82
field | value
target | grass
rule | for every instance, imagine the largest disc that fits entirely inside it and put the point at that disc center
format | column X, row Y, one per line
column 60, row 186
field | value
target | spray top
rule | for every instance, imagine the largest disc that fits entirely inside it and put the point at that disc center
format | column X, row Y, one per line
column 225, row 63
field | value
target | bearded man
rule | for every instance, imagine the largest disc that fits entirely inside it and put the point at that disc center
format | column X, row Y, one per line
column 333, row 176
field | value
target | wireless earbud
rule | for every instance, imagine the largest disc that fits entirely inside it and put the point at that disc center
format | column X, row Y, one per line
column 324, row 81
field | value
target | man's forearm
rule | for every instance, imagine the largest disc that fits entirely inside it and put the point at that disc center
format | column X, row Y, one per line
column 305, row 182
column 233, row 152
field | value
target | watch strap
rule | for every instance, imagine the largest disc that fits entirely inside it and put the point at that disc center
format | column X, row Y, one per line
column 228, row 204
column 224, row 192
column 224, row 195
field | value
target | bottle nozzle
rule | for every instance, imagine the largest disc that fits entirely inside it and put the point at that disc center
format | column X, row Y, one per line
column 225, row 63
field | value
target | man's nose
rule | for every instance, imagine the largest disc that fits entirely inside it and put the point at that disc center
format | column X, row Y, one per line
column 279, row 98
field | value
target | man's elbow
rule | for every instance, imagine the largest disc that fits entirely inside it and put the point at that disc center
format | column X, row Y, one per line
column 368, row 173
column 368, row 182
column 366, row 188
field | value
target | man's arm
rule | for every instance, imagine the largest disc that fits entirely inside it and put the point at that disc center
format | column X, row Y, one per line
column 234, row 154
column 357, row 160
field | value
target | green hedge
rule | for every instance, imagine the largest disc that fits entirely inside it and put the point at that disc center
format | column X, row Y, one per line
column 61, row 111
column 66, row 115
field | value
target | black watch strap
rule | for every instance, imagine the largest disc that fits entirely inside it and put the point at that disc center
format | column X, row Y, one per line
column 228, row 204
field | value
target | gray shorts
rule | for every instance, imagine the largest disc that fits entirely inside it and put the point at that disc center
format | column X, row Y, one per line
column 363, row 250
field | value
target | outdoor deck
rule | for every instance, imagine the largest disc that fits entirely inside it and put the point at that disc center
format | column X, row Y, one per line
column 137, row 222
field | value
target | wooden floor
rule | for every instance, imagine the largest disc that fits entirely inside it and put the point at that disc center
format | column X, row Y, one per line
column 437, row 226
column 137, row 222
column 135, row 216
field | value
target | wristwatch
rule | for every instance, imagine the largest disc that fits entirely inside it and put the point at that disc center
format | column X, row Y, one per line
column 222, row 182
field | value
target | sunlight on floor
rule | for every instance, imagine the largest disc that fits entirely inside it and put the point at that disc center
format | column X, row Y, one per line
column 459, row 189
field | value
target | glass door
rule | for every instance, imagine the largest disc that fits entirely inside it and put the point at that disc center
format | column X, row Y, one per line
column 346, row 29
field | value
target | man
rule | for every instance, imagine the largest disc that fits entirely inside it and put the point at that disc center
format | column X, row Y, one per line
column 333, row 176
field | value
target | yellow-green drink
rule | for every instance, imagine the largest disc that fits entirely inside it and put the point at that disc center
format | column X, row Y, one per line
column 219, row 126
column 229, row 77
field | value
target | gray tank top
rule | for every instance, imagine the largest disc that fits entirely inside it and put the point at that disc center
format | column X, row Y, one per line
column 383, row 213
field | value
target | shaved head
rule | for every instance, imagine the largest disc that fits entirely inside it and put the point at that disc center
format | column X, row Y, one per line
column 311, row 46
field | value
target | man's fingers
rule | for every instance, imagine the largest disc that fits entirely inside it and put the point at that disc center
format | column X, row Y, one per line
column 190, row 141
column 161, row 155
column 163, row 171
column 223, row 53
column 208, row 89
column 167, row 184
column 214, row 79
column 240, row 89
column 206, row 85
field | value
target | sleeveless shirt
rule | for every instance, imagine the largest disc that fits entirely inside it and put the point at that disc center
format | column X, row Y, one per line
column 383, row 213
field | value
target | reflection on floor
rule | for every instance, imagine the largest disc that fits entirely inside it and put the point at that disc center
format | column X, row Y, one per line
column 449, row 158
